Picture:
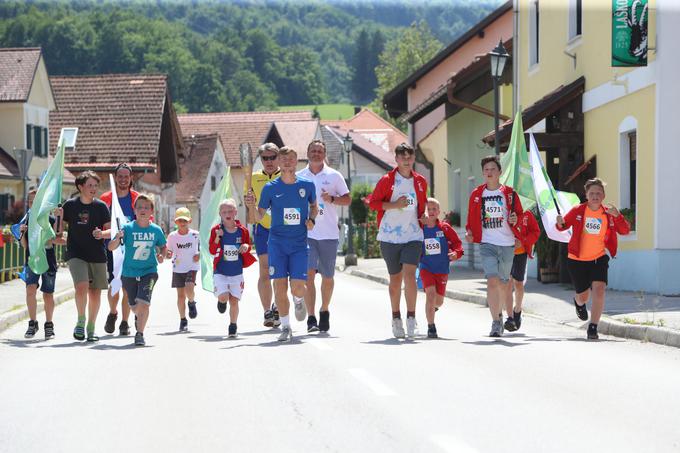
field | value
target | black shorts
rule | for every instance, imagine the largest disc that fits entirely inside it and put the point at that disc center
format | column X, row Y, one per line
column 519, row 267
column 584, row 273
column 180, row 280
column 139, row 289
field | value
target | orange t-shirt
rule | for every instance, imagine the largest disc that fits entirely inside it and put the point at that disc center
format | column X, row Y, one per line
column 519, row 250
column 592, row 237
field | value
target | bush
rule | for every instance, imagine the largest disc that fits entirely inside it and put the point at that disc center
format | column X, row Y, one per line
column 629, row 214
column 452, row 218
column 358, row 206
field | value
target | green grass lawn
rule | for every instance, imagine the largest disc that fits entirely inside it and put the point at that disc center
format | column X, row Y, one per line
column 326, row 111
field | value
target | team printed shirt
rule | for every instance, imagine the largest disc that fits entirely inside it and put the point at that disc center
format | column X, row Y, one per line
column 82, row 220
column 495, row 227
column 592, row 237
column 330, row 181
column 289, row 204
column 140, row 248
column 400, row 226
column 231, row 262
column 183, row 248
column 258, row 181
column 435, row 256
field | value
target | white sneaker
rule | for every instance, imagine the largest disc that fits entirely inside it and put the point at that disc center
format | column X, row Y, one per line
column 300, row 308
column 411, row 327
column 286, row 334
column 398, row 328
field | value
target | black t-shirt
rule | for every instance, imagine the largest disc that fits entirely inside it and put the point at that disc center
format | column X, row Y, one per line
column 82, row 220
column 49, row 251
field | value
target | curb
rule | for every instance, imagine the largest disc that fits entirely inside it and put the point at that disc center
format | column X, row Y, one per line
column 607, row 326
column 12, row 317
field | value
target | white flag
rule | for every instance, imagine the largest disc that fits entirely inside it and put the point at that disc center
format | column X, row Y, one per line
column 547, row 196
column 118, row 219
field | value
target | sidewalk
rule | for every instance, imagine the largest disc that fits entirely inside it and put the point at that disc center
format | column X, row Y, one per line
column 628, row 315
column 13, row 301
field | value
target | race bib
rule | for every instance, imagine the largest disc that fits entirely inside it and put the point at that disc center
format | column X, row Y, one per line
column 410, row 202
column 230, row 253
column 593, row 225
column 291, row 216
column 322, row 207
column 432, row 246
column 493, row 209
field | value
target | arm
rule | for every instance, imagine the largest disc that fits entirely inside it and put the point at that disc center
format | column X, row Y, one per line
column 115, row 242
column 566, row 222
column 621, row 224
column 454, row 242
column 313, row 212
column 214, row 243
column 533, row 232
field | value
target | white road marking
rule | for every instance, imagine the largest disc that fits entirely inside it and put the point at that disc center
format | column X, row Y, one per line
column 371, row 382
column 451, row 445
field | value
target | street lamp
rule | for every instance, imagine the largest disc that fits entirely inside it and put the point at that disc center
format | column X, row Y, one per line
column 350, row 257
column 498, row 57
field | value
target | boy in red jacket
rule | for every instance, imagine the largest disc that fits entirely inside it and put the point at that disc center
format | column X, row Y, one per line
column 441, row 245
column 230, row 245
column 400, row 198
column 529, row 234
column 493, row 212
column 594, row 229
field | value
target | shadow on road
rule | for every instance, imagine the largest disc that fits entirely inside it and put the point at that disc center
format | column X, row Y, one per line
column 398, row 342
column 113, row 347
column 211, row 338
column 22, row 343
column 495, row 343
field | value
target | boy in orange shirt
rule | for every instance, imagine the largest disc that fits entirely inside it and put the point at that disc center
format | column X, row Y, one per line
column 594, row 232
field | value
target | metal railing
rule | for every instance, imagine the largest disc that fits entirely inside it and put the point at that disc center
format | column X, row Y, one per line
column 13, row 257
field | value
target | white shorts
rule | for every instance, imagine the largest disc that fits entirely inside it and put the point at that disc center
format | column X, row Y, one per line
column 232, row 284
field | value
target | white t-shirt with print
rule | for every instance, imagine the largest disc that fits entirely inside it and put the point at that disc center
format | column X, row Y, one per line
column 495, row 227
column 330, row 181
column 399, row 226
column 183, row 248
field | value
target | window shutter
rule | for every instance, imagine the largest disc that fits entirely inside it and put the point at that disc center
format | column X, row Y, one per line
column 37, row 135
column 29, row 137
column 46, row 149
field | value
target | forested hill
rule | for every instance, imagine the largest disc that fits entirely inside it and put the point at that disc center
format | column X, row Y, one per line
column 227, row 56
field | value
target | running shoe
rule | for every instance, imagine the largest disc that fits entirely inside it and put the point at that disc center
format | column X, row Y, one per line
column 124, row 329
column 33, row 327
column 411, row 327
column 269, row 318
column 221, row 307
column 139, row 339
column 92, row 337
column 286, row 334
column 398, row 328
column 517, row 315
column 592, row 332
column 232, row 330
column 432, row 331
column 496, row 329
column 300, row 309
column 192, row 309
column 312, row 325
column 79, row 333
column 183, row 325
column 510, row 325
column 581, row 311
column 324, row 321
column 277, row 320
column 49, row 330
column 110, row 325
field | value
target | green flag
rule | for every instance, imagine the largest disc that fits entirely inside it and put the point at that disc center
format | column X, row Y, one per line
column 46, row 200
column 209, row 218
column 516, row 168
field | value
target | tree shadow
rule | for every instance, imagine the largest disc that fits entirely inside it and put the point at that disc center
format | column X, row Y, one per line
column 255, row 333
column 395, row 341
column 25, row 343
column 113, row 347
column 210, row 338
column 495, row 342
column 173, row 333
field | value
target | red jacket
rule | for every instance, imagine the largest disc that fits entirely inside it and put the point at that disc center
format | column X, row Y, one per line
column 474, row 217
column 574, row 220
column 106, row 198
column 452, row 239
column 215, row 248
column 385, row 186
column 529, row 232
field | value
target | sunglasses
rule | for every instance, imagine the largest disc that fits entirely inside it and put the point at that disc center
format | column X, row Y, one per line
column 268, row 158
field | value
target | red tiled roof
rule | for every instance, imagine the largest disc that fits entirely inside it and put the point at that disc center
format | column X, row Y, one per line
column 372, row 127
column 119, row 117
column 235, row 128
column 194, row 171
column 367, row 148
column 17, row 70
column 297, row 134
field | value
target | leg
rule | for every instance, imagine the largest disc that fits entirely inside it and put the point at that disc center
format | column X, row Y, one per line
column 81, row 298
column 264, row 283
column 327, row 285
column 597, row 307
column 94, row 296
column 281, row 295
column 31, row 301
column 190, row 291
column 493, row 294
column 410, row 286
column 233, row 309
column 113, row 301
column 507, row 301
column 142, row 312
column 395, row 290
column 181, row 306
column 582, row 298
column 298, row 288
column 48, row 299
column 430, row 304
column 519, row 294
column 310, row 293
column 125, row 306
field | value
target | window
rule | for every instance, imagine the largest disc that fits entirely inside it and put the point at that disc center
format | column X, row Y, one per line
column 29, row 136
column 45, row 144
column 533, row 33
column 628, row 167
column 37, row 141
column 213, row 183
column 632, row 152
column 575, row 18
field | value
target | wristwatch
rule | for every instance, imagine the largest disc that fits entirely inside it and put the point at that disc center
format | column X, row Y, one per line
column 312, row 220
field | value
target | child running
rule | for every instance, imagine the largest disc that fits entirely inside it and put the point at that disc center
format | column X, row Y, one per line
column 594, row 229
column 434, row 262
column 184, row 250
column 141, row 239
column 230, row 245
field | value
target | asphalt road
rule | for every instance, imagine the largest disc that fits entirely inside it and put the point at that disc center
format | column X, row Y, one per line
column 543, row 389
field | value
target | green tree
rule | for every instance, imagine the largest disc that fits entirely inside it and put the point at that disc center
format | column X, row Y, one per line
column 362, row 69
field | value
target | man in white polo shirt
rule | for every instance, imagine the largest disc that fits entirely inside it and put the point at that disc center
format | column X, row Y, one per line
column 331, row 191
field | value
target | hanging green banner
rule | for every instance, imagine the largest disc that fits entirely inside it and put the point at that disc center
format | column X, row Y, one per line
column 629, row 32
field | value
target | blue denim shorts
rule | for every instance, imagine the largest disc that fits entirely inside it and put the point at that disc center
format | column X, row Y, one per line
column 497, row 260
column 47, row 280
